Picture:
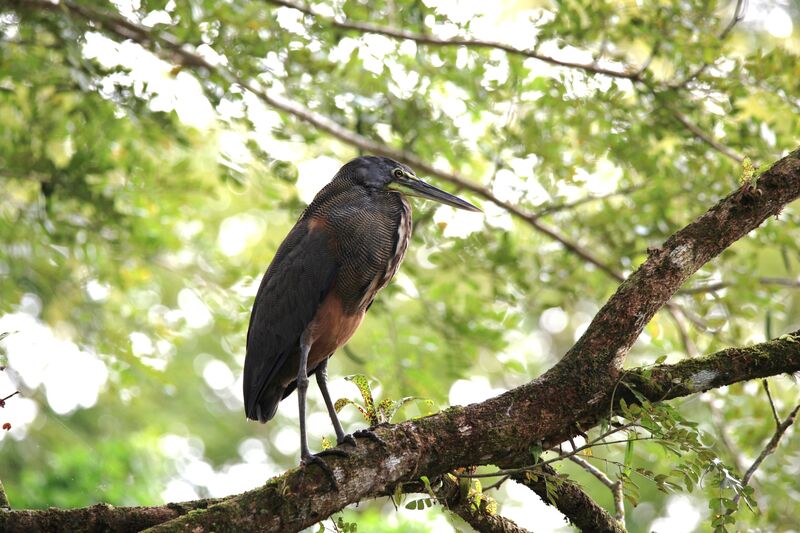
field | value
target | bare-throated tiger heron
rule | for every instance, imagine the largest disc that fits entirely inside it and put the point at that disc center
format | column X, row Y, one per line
column 345, row 247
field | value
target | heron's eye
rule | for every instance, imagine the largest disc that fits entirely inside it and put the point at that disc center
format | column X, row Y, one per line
column 398, row 173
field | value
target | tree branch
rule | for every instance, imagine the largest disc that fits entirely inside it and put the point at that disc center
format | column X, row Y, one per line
column 627, row 72
column 575, row 393
column 732, row 365
column 555, row 208
column 614, row 486
column 100, row 517
column 774, row 409
column 708, row 139
column 176, row 52
column 771, row 446
column 476, row 514
column 765, row 280
column 303, row 495
column 570, row 499
column 739, row 13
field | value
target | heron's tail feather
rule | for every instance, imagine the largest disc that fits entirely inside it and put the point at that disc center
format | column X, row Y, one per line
column 266, row 407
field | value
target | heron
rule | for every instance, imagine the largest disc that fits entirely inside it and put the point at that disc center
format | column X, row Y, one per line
column 345, row 247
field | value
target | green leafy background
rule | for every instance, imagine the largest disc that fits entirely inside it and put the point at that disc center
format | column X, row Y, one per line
column 152, row 205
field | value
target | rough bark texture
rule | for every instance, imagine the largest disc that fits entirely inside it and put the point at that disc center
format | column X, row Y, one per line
column 479, row 517
column 570, row 499
column 690, row 376
column 100, row 517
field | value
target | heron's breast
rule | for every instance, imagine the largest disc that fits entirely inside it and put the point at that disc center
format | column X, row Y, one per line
column 401, row 245
column 391, row 258
column 331, row 328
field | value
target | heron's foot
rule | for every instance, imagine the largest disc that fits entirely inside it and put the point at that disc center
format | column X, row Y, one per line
column 369, row 434
column 332, row 452
column 347, row 439
column 317, row 460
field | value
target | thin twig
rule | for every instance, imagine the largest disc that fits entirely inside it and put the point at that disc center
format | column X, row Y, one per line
column 688, row 344
column 2, row 400
column 706, row 138
column 128, row 30
column 738, row 15
column 496, row 484
column 554, row 208
column 615, row 486
column 772, row 404
column 593, row 470
column 635, row 74
column 771, row 446
column 619, row 502
column 719, row 285
column 627, row 72
column 597, row 441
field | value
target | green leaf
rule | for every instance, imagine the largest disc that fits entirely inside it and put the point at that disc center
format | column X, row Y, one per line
column 369, row 410
column 418, row 505
column 629, row 454
column 535, row 450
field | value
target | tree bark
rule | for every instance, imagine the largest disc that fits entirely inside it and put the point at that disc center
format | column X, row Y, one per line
column 572, row 501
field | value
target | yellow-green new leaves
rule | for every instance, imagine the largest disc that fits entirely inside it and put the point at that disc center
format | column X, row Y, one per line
column 384, row 411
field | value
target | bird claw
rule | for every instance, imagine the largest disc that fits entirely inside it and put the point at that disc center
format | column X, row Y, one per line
column 369, row 434
column 317, row 460
column 335, row 452
column 347, row 439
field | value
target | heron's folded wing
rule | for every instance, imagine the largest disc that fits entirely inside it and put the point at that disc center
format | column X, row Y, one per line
column 299, row 278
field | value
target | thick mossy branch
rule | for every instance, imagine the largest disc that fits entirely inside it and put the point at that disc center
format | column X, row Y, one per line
column 475, row 511
column 618, row 324
column 569, row 498
column 663, row 382
column 269, row 508
column 100, row 517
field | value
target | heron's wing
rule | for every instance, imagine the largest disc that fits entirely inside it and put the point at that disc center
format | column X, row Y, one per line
column 299, row 278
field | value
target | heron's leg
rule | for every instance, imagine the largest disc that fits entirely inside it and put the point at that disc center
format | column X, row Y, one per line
column 302, row 387
column 322, row 381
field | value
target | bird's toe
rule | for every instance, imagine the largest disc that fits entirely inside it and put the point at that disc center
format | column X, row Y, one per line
column 347, row 439
column 317, row 460
column 332, row 452
column 369, row 434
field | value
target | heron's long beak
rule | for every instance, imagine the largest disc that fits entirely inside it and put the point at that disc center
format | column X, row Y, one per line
column 413, row 186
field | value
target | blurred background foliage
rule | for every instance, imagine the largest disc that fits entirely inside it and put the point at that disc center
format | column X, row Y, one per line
column 143, row 198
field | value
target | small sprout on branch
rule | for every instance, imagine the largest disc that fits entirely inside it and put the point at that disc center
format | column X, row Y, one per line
column 384, row 411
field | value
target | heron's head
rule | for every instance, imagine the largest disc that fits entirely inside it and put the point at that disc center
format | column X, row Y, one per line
column 382, row 174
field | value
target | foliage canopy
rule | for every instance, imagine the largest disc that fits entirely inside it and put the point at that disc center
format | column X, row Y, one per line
column 144, row 197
